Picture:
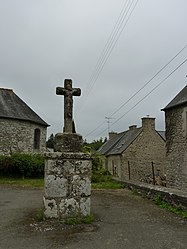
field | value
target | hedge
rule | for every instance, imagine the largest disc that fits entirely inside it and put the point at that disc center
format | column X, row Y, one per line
column 22, row 165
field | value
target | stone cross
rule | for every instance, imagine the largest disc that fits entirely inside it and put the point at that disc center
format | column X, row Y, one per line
column 68, row 93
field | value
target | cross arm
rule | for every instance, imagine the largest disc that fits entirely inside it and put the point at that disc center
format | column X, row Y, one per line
column 76, row 92
column 60, row 91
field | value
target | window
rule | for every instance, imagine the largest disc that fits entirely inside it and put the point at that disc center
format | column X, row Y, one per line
column 37, row 139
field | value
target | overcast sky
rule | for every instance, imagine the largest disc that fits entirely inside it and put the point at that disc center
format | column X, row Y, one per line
column 44, row 42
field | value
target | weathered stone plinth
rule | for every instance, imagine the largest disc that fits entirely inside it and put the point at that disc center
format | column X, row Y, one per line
column 67, row 185
column 68, row 142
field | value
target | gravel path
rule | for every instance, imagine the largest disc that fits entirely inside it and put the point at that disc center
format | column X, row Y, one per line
column 123, row 220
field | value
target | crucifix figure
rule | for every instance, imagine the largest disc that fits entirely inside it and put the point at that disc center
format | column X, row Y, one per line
column 68, row 93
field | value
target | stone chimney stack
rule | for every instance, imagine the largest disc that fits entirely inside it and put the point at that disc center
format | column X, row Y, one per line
column 148, row 123
column 112, row 134
column 132, row 127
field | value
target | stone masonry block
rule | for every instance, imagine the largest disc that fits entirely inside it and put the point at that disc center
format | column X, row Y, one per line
column 85, row 206
column 68, row 208
column 81, row 186
column 55, row 186
column 83, row 167
column 51, row 168
column 50, row 206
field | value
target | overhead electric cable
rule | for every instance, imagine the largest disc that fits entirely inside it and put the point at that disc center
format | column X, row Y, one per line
column 94, row 129
column 147, row 82
column 151, row 90
column 111, row 47
column 114, row 37
column 146, row 95
column 111, row 39
column 174, row 57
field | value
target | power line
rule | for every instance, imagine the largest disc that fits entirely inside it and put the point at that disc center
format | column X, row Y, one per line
column 111, row 39
column 146, row 95
column 174, row 57
column 94, row 129
column 109, row 46
column 148, row 82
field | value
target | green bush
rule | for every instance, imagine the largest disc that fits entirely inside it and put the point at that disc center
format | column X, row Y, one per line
column 101, row 176
column 6, row 168
column 22, row 165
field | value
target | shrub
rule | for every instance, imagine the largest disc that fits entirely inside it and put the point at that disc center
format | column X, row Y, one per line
column 24, row 165
column 6, row 168
column 101, row 176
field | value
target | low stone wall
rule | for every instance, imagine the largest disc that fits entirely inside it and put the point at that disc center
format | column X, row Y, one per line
column 173, row 196
column 67, row 185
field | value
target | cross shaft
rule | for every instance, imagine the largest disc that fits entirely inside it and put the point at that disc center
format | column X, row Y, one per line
column 68, row 93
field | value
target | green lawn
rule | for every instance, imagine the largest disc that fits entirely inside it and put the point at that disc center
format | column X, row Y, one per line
column 21, row 182
column 40, row 183
column 107, row 185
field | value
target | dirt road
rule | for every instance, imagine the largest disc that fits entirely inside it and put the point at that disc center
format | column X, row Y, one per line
column 123, row 220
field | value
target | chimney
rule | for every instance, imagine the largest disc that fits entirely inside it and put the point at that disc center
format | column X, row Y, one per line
column 148, row 123
column 112, row 134
column 132, row 127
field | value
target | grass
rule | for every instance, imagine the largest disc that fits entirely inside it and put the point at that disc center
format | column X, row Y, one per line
column 88, row 219
column 22, row 182
column 135, row 191
column 40, row 183
column 165, row 205
column 107, row 185
column 39, row 215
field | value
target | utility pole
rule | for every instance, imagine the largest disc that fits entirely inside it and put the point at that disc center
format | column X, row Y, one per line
column 108, row 122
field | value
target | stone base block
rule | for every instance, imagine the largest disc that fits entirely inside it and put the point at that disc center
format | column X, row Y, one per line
column 67, row 185
column 68, row 142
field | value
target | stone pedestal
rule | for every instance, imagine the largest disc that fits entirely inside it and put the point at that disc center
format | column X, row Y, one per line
column 68, row 142
column 67, row 185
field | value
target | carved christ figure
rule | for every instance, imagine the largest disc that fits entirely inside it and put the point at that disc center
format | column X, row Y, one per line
column 68, row 93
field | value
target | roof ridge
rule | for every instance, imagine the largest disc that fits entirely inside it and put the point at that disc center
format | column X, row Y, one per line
column 13, row 107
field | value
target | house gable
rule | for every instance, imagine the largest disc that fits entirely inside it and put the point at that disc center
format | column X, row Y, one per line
column 12, row 107
column 124, row 142
column 179, row 99
column 133, row 155
column 21, row 129
column 176, row 143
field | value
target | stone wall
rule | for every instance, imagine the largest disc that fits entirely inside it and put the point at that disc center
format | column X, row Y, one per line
column 114, row 165
column 174, row 197
column 176, row 145
column 18, row 136
column 67, row 185
column 137, row 159
column 145, row 154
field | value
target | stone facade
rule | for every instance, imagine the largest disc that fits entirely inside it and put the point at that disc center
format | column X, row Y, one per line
column 21, row 129
column 176, row 141
column 67, row 185
column 147, row 151
column 21, row 136
column 143, row 158
column 176, row 144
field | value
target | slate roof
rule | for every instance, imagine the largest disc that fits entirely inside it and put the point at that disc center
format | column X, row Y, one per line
column 162, row 134
column 110, row 143
column 121, row 141
column 180, row 99
column 12, row 107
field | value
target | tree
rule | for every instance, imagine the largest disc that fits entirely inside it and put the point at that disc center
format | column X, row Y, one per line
column 50, row 142
column 95, row 144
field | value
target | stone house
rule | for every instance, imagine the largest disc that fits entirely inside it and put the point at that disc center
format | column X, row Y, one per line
column 21, row 129
column 137, row 154
column 176, row 141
